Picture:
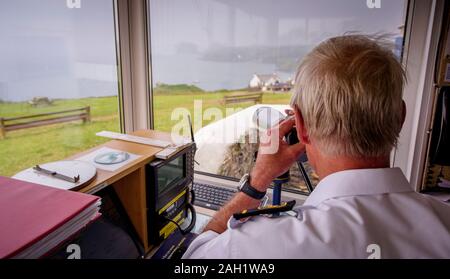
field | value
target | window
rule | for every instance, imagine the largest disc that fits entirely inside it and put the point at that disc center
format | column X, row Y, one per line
column 215, row 59
column 57, row 61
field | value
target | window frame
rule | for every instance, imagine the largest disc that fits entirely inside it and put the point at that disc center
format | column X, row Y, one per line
column 422, row 26
column 421, row 48
column 132, row 41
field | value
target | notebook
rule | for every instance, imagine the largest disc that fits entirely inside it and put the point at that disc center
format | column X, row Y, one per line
column 35, row 219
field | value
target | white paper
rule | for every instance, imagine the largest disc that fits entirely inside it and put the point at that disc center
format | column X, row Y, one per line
column 85, row 170
column 91, row 156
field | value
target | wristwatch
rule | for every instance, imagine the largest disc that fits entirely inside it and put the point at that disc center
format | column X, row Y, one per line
column 245, row 187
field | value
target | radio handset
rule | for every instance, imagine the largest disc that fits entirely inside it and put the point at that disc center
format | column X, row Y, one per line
column 291, row 137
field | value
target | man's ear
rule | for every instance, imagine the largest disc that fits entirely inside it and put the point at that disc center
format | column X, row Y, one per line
column 302, row 133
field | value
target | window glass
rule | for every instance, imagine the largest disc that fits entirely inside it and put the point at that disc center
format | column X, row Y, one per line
column 218, row 60
column 58, row 79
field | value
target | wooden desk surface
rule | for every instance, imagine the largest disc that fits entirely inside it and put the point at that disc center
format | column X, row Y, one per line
column 129, row 181
column 147, row 152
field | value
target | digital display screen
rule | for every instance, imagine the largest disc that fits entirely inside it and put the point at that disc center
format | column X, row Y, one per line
column 170, row 173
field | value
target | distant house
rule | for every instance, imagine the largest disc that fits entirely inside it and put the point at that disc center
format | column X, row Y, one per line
column 280, row 86
column 269, row 83
column 264, row 82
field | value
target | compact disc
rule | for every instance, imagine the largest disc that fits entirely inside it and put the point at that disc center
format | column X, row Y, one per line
column 110, row 158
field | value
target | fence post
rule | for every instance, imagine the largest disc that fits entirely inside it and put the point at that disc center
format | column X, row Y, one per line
column 2, row 128
column 88, row 114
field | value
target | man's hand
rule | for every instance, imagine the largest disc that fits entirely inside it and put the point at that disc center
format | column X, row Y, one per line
column 275, row 156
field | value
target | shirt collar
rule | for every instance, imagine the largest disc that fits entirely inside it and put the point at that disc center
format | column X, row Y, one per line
column 359, row 182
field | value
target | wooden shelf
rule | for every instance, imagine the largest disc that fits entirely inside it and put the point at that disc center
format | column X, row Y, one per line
column 129, row 182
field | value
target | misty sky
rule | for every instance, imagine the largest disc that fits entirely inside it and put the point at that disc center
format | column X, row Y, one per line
column 206, row 23
column 220, row 44
column 47, row 49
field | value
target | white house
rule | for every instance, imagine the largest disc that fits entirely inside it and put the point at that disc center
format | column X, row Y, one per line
column 263, row 82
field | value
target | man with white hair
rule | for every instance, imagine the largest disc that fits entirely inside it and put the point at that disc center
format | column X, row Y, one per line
column 349, row 112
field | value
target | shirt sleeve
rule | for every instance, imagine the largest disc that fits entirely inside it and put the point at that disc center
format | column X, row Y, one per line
column 250, row 239
column 211, row 245
column 200, row 247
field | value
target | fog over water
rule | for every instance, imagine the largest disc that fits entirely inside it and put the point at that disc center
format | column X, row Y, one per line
column 48, row 49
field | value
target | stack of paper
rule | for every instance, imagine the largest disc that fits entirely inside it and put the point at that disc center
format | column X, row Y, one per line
column 36, row 219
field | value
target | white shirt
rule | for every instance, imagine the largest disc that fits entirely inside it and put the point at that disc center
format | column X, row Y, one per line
column 351, row 214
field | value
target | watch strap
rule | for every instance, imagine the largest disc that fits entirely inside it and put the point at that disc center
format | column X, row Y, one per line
column 251, row 191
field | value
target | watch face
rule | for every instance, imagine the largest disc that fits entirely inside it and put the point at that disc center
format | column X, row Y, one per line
column 242, row 181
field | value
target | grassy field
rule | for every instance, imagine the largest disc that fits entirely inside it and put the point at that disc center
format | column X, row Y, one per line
column 24, row 148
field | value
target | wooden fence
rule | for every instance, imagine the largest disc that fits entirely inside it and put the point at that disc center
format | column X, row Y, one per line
column 242, row 98
column 37, row 120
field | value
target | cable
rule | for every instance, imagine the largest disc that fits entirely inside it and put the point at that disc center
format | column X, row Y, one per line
column 176, row 224
column 305, row 176
column 191, row 225
column 191, row 208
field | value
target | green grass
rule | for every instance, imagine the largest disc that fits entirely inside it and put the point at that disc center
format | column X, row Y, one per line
column 24, row 148
column 103, row 106
column 164, row 105
column 181, row 89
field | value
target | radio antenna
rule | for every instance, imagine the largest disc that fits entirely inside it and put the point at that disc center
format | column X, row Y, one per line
column 192, row 137
column 190, row 129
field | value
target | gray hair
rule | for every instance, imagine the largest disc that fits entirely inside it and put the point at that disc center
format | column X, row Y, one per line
column 349, row 91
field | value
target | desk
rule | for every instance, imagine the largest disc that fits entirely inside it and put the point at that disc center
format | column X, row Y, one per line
column 129, row 181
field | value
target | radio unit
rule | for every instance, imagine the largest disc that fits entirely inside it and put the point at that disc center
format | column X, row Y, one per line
column 169, row 194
